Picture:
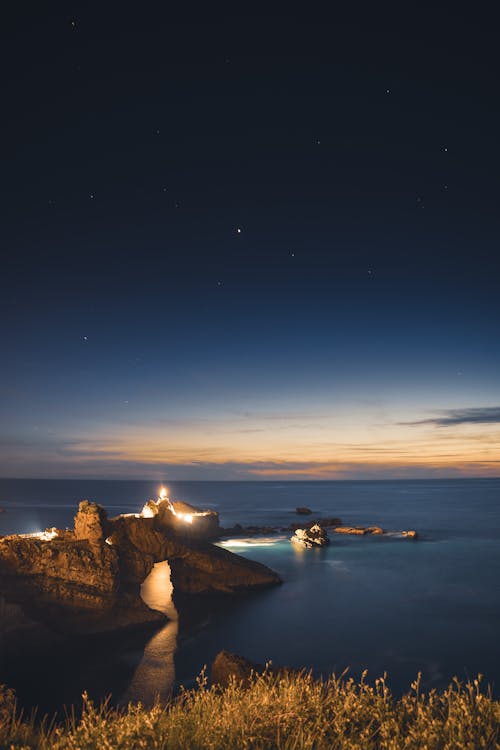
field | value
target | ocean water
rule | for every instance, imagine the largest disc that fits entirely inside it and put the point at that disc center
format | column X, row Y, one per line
column 383, row 604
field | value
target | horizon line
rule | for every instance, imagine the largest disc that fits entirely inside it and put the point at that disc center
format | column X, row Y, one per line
column 219, row 481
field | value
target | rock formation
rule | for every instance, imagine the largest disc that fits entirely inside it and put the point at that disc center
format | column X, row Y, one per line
column 315, row 536
column 196, row 566
column 227, row 667
column 303, row 511
column 88, row 579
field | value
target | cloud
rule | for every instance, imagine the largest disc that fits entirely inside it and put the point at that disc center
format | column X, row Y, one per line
column 450, row 417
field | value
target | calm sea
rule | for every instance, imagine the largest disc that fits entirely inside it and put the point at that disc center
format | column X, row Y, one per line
column 384, row 604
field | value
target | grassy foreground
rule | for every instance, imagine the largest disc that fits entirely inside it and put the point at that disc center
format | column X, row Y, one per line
column 287, row 711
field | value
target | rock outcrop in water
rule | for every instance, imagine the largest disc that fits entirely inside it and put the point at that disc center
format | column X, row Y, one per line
column 315, row 536
column 88, row 579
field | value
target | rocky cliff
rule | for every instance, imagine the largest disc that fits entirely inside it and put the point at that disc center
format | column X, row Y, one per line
column 88, row 579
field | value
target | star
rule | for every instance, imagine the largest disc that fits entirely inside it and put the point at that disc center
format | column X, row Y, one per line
column 318, row 142
column 219, row 283
column 445, row 148
column 387, row 91
column 239, row 230
column 73, row 23
column 85, row 338
column 293, row 255
column 91, row 196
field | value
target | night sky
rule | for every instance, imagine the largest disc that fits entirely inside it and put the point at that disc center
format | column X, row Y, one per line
column 243, row 245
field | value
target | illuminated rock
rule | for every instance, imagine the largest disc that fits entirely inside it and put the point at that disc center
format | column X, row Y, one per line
column 91, row 522
column 75, row 562
column 313, row 537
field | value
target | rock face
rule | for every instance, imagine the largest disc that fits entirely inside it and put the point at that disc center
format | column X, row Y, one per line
column 88, row 580
column 196, row 567
column 73, row 561
column 312, row 537
column 91, row 523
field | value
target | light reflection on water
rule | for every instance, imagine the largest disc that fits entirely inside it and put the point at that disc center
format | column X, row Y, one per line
column 154, row 677
column 251, row 542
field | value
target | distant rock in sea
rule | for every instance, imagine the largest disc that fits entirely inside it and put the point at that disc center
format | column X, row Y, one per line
column 303, row 511
column 411, row 534
column 355, row 530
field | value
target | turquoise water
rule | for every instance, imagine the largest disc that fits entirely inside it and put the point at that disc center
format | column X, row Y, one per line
column 385, row 604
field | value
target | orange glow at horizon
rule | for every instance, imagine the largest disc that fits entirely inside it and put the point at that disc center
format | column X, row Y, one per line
column 309, row 451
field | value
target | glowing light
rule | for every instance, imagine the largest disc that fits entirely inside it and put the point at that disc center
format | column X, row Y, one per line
column 44, row 536
column 148, row 511
column 151, row 509
column 108, row 541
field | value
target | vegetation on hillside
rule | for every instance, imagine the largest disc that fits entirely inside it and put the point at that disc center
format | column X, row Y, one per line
column 286, row 711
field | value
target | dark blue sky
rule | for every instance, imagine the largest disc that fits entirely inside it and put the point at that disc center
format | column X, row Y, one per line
column 249, row 245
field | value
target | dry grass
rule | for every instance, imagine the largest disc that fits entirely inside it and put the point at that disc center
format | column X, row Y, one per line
column 289, row 712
